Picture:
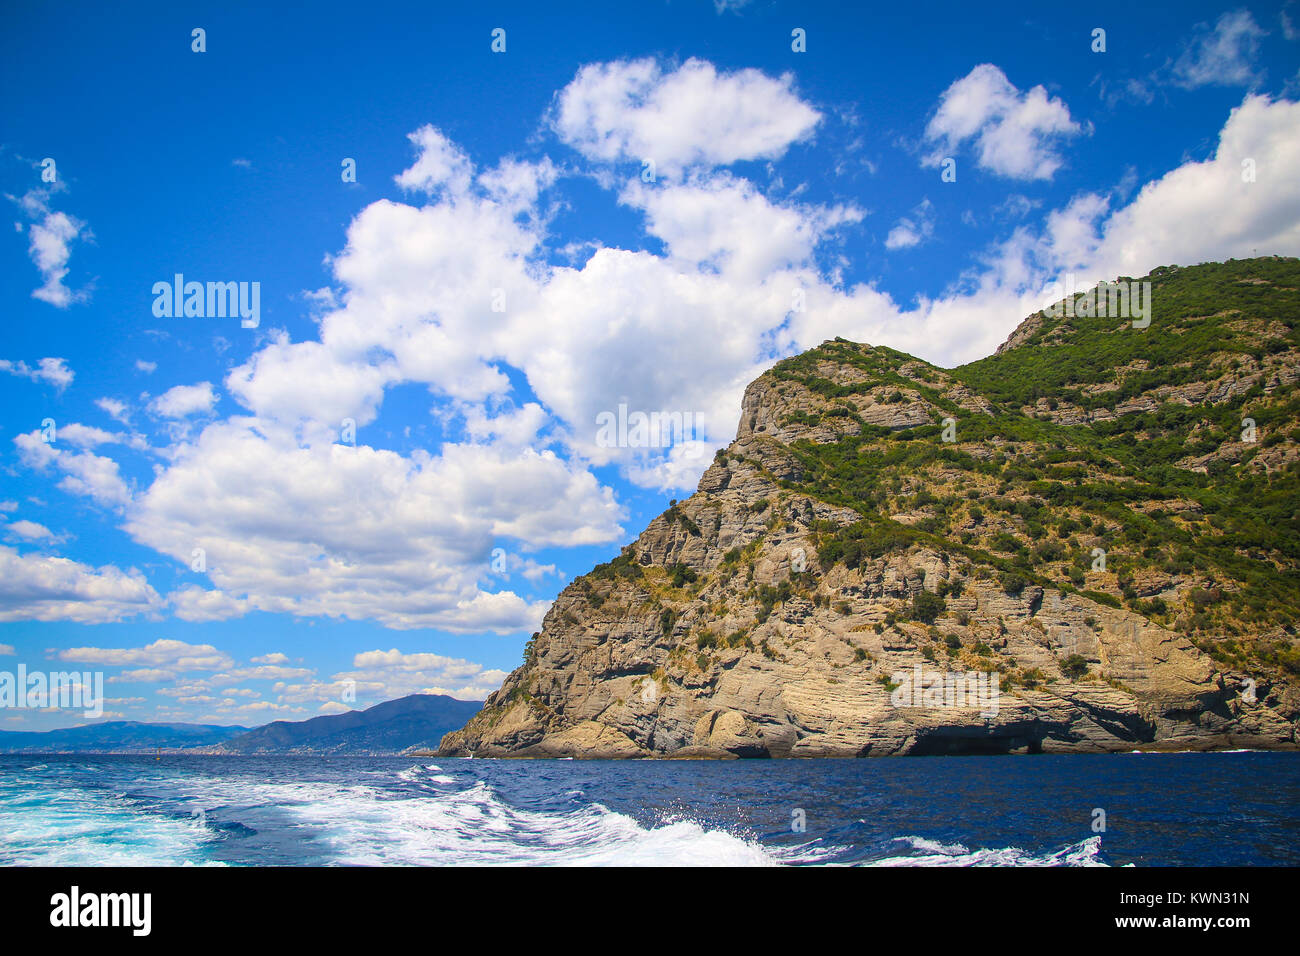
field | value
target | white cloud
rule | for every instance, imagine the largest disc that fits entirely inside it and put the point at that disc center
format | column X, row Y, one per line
column 1165, row 223
column 227, row 707
column 530, row 569
column 292, row 522
column 116, row 409
column 307, row 381
column 690, row 116
column 50, row 239
column 185, row 400
column 274, row 672
column 31, row 531
column 184, row 687
column 51, row 371
column 386, row 675
column 164, row 655
column 439, row 165
column 1224, row 55
column 87, row 474
column 47, row 588
column 517, row 184
column 193, row 603
column 1015, row 134
column 86, row 436
column 147, row 367
column 360, row 532
column 143, row 675
column 913, row 229
column 726, row 225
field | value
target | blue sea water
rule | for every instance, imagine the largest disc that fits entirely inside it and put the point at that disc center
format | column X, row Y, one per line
column 1161, row 809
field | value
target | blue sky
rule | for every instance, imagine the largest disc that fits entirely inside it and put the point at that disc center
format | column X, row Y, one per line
column 643, row 207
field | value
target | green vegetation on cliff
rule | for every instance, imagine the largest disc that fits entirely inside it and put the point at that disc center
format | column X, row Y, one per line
column 1167, row 451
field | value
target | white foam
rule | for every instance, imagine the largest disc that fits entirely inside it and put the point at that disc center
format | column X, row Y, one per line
column 70, row 826
column 473, row 826
column 360, row 824
column 930, row 853
column 1169, row 753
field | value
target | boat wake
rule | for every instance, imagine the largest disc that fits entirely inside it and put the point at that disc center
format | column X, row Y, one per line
column 421, row 815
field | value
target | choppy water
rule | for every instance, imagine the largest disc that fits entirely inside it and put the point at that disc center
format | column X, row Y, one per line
column 1161, row 809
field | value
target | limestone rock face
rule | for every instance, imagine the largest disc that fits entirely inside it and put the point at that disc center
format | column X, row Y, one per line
column 735, row 625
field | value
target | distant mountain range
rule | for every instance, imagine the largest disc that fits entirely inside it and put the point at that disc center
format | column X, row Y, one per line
column 117, row 736
column 414, row 722
column 417, row 721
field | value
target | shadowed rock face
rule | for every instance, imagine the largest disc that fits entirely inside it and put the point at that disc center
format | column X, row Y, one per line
column 776, row 613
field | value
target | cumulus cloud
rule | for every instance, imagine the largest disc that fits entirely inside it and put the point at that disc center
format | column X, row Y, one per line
column 86, row 436
column 1014, row 134
column 439, row 165
column 724, row 224
column 690, row 116
column 193, row 603
column 1165, row 222
column 50, row 371
column 31, row 531
column 85, row 473
column 185, row 400
column 360, row 532
column 37, row 587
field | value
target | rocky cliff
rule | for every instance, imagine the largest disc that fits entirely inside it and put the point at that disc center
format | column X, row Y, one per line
column 1099, row 519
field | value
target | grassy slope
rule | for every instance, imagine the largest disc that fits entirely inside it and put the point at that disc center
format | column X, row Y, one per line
column 1215, row 554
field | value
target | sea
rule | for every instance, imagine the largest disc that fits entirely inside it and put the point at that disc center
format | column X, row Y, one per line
column 1139, row 809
